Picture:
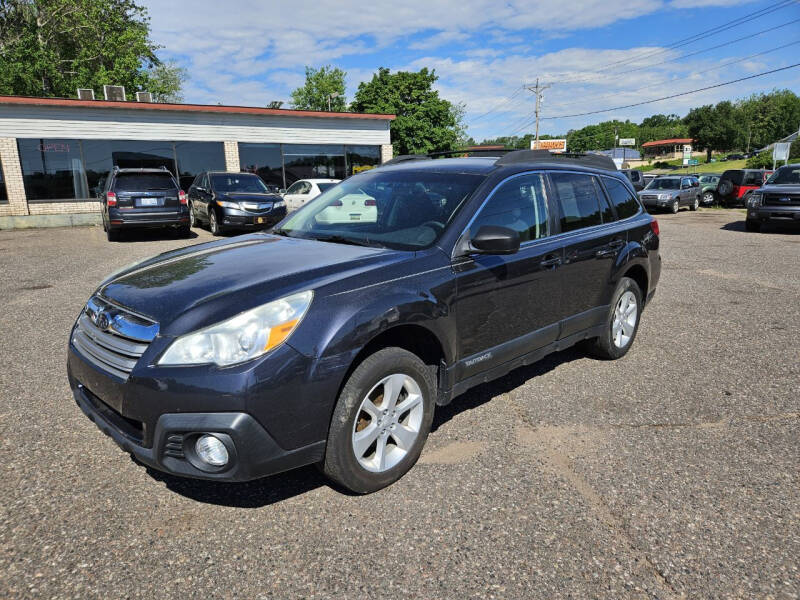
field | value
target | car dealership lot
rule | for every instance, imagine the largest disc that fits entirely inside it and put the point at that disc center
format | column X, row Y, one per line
column 672, row 472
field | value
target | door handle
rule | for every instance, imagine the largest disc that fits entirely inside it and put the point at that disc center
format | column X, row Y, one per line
column 551, row 260
column 611, row 248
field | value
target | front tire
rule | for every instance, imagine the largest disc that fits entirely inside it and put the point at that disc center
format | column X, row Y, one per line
column 381, row 421
column 676, row 205
column 695, row 205
column 192, row 218
column 708, row 198
column 752, row 225
column 213, row 223
column 622, row 322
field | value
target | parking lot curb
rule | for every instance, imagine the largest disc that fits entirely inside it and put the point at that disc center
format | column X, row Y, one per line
column 34, row 221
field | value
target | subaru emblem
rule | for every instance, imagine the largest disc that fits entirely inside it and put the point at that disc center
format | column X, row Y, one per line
column 103, row 321
column 786, row 199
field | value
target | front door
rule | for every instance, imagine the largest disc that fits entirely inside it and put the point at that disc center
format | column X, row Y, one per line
column 592, row 240
column 507, row 305
column 297, row 195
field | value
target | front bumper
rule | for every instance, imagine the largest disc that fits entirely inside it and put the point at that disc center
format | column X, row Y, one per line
column 157, row 419
column 252, row 220
column 776, row 213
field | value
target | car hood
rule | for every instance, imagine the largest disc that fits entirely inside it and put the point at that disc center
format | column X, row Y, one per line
column 234, row 275
column 788, row 189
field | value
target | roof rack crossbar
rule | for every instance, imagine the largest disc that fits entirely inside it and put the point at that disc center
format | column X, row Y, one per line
column 599, row 161
column 489, row 151
column 405, row 158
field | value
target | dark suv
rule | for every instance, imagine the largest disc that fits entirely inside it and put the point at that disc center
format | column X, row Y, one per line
column 142, row 198
column 229, row 201
column 777, row 200
column 331, row 341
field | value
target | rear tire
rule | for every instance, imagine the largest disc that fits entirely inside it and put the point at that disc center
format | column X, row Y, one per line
column 752, row 225
column 362, row 453
column 622, row 322
column 184, row 231
column 708, row 198
column 112, row 235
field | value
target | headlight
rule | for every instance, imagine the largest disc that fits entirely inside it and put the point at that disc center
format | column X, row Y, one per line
column 245, row 336
column 665, row 196
column 279, row 204
column 226, row 204
column 754, row 200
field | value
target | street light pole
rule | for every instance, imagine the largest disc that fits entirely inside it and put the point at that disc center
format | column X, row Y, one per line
column 537, row 90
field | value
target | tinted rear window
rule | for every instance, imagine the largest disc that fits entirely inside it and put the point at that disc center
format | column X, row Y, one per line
column 753, row 178
column 623, row 200
column 735, row 176
column 144, row 182
column 577, row 195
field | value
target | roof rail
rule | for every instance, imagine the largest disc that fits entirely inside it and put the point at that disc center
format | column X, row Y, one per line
column 405, row 158
column 599, row 161
column 487, row 151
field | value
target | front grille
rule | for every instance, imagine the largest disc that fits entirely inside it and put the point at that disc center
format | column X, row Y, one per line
column 257, row 207
column 112, row 338
column 649, row 197
column 131, row 428
column 781, row 200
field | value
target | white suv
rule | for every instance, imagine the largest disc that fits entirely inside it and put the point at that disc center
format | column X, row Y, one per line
column 304, row 190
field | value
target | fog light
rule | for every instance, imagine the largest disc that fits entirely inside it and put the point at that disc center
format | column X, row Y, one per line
column 211, row 451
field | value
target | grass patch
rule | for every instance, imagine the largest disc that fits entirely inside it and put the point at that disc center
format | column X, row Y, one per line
column 703, row 167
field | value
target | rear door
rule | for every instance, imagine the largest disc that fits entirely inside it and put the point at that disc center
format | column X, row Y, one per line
column 508, row 305
column 154, row 192
column 686, row 191
column 592, row 238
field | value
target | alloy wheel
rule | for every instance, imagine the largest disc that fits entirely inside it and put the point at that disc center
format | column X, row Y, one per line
column 708, row 198
column 675, row 207
column 212, row 222
column 625, row 314
column 192, row 220
column 388, row 423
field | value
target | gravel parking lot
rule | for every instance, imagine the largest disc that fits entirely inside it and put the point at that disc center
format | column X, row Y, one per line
column 671, row 473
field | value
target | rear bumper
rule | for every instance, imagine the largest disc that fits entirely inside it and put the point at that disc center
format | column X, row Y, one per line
column 119, row 219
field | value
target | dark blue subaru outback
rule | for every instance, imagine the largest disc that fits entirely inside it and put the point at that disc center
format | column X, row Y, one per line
column 331, row 338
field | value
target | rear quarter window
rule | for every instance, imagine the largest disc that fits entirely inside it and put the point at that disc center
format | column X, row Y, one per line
column 578, row 200
column 622, row 199
column 144, row 182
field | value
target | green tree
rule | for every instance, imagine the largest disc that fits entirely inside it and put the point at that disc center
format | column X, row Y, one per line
column 320, row 85
column 713, row 127
column 275, row 104
column 166, row 82
column 425, row 122
column 601, row 136
column 53, row 47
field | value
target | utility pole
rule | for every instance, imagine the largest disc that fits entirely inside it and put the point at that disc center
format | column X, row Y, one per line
column 537, row 90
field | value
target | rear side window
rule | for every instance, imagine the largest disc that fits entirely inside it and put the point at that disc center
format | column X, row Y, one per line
column 621, row 198
column 735, row 176
column 519, row 204
column 578, row 199
column 144, row 182
column 753, row 178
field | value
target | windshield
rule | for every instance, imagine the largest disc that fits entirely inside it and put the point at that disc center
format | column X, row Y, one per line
column 324, row 187
column 663, row 183
column 786, row 176
column 403, row 210
column 238, row 183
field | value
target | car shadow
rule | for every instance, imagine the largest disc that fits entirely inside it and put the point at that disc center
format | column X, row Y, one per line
column 153, row 235
column 276, row 488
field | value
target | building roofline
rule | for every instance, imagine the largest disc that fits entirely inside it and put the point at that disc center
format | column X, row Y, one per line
column 207, row 108
column 669, row 141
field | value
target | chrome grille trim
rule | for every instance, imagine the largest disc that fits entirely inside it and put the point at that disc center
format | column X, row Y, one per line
column 112, row 338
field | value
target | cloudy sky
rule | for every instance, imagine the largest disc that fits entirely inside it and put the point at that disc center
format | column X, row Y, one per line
column 595, row 54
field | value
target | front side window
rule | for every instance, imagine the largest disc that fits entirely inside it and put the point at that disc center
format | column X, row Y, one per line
column 296, row 188
column 578, row 199
column 403, row 210
column 519, row 204
column 785, row 176
column 621, row 198
column 753, row 178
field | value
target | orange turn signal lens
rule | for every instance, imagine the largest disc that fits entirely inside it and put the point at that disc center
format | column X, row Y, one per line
column 279, row 333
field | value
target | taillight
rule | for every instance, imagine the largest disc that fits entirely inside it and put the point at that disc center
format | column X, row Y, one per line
column 111, row 199
column 370, row 202
column 654, row 227
column 182, row 197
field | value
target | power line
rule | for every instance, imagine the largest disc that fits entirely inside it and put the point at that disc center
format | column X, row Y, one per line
column 690, row 75
column 698, row 36
column 497, row 106
column 682, row 56
column 710, row 87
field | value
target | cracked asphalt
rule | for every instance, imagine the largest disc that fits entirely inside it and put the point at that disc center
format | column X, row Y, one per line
column 672, row 473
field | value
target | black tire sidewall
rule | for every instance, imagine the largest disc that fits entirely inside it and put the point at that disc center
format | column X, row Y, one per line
column 340, row 463
column 213, row 218
column 605, row 347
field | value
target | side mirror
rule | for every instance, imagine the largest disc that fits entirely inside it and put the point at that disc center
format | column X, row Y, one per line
column 492, row 239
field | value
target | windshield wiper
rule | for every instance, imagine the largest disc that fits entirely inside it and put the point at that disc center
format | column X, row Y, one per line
column 338, row 239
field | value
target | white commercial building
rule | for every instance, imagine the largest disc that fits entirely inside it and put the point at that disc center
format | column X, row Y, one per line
column 55, row 153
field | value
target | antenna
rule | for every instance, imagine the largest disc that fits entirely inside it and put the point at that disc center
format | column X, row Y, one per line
column 115, row 93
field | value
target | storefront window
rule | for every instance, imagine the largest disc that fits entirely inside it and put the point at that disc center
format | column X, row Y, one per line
column 52, row 169
column 362, row 158
column 263, row 159
column 196, row 157
column 306, row 161
column 3, row 194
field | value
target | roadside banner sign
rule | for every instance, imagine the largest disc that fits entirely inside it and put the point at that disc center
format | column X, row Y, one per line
column 694, row 161
column 556, row 146
column 627, row 141
column 781, row 151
